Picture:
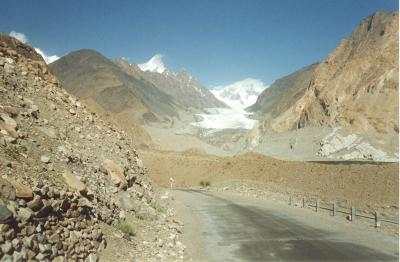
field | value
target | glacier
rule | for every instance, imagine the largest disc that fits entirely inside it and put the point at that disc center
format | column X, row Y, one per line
column 225, row 118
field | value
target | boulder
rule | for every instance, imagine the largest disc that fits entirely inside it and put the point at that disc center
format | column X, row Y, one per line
column 21, row 190
column 9, row 125
column 115, row 172
column 6, row 216
column 129, row 204
column 7, row 191
column 45, row 159
column 36, row 204
column 24, row 214
column 74, row 183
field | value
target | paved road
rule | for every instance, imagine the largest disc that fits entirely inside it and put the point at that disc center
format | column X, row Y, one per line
column 239, row 231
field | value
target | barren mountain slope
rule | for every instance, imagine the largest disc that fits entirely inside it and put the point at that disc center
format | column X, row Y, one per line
column 355, row 86
column 283, row 93
column 89, row 75
column 67, row 177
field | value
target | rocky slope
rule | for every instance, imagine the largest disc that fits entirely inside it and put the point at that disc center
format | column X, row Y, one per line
column 354, row 88
column 67, row 177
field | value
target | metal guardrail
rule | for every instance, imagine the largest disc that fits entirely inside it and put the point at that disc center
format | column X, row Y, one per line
column 352, row 214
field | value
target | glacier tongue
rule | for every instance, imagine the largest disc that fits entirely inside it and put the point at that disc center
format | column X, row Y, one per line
column 225, row 118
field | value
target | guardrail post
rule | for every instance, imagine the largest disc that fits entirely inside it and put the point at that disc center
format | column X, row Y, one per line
column 333, row 209
column 290, row 201
column 377, row 222
column 353, row 214
column 316, row 205
column 304, row 202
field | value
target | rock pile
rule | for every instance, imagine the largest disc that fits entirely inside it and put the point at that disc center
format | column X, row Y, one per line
column 47, row 223
column 62, row 168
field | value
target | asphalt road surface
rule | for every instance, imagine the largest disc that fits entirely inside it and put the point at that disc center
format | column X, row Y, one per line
column 221, row 228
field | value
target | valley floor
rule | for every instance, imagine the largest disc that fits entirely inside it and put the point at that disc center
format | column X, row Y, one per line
column 369, row 187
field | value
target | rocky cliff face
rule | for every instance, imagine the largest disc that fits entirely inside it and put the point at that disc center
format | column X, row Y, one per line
column 347, row 105
column 65, row 173
column 283, row 93
column 356, row 86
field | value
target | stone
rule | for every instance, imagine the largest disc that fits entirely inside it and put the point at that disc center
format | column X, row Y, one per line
column 21, row 190
column 4, row 118
column 24, row 214
column 6, row 216
column 84, row 202
column 45, row 159
column 27, row 241
column 6, row 258
column 44, row 212
column 103, row 245
column 7, row 191
column 40, row 256
column 127, row 203
column 139, row 163
column 59, row 259
column 146, row 212
column 92, row 258
column 6, row 248
column 54, row 238
column 28, row 230
column 30, row 254
column 115, row 172
column 36, row 204
column 122, row 215
column 74, row 183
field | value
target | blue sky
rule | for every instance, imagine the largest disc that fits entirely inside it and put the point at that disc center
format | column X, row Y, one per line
column 217, row 41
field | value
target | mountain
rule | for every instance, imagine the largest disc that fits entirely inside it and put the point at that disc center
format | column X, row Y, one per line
column 348, row 104
column 155, row 64
column 89, row 75
column 283, row 93
column 183, row 87
column 240, row 94
column 356, row 85
column 149, row 92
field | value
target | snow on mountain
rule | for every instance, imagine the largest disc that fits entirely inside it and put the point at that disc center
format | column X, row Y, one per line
column 155, row 64
column 240, row 94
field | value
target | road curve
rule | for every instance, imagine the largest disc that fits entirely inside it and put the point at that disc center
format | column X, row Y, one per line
column 239, row 231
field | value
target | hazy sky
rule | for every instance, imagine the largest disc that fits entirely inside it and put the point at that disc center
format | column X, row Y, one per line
column 217, row 41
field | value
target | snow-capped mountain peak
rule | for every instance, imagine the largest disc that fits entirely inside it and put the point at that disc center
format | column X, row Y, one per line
column 240, row 94
column 155, row 64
